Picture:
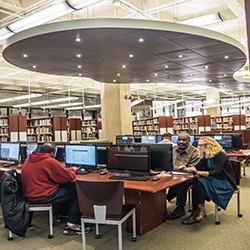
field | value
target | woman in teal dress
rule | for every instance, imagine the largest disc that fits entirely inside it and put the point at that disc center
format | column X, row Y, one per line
column 216, row 180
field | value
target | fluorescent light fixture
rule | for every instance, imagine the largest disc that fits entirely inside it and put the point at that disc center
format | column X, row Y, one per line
column 136, row 102
column 79, row 4
column 127, row 7
column 203, row 20
column 50, row 107
column 243, row 100
column 210, row 101
column 41, row 17
column 70, row 104
column 64, row 99
column 85, row 107
column 228, row 103
column 214, row 105
column 21, row 97
column 21, row 105
column 41, row 102
column 6, row 100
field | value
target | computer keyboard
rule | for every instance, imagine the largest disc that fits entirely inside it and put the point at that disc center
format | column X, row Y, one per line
column 129, row 177
column 82, row 171
column 7, row 164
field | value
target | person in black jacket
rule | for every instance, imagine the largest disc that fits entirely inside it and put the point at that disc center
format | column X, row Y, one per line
column 216, row 181
column 15, row 208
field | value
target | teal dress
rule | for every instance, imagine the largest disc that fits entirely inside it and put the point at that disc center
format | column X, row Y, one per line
column 218, row 189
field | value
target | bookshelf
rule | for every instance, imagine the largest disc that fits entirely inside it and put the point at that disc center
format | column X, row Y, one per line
column 231, row 122
column 192, row 124
column 153, row 125
column 13, row 128
column 91, row 129
column 74, row 129
column 47, row 129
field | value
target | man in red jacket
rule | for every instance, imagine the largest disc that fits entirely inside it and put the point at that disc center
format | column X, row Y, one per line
column 41, row 176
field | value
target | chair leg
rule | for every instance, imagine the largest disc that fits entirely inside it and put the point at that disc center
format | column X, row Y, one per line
column 83, row 235
column 10, row 237
column 189, row 200
column 97, row 232
column 50, row 223
column 238, row 204
column 217, row 222
column 134, row 226
column 120, row 236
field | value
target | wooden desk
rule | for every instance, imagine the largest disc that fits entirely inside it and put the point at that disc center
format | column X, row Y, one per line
column 243, row 156
column 149, row 198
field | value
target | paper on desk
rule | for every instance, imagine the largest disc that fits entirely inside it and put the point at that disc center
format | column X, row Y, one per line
column 245, row 152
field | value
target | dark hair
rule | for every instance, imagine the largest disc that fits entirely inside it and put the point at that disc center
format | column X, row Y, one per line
column 48, row 147
column 166, row 135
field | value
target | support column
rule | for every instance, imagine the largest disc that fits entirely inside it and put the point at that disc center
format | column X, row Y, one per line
column 213, row 98
column 116, row 110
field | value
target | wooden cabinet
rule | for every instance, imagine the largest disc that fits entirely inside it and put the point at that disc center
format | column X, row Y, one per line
column 231, row 122
column 74, row 129
column 153, row 126
column 191, row 125
column 91, row 129
column 47, row 129
column 13, row 128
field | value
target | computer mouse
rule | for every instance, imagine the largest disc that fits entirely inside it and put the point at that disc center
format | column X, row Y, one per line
column 103, row 172
column 155, row 178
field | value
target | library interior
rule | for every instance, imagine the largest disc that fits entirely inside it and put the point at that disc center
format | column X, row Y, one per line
column 105, row 81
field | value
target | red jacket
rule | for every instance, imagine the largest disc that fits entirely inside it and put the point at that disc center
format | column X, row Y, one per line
column 41, row 175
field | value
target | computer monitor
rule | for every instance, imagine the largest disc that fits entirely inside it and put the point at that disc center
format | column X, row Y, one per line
column 161, row 156
column 134, row 160
column 225, row 140
column 137, row 138
column 148, row 139
column 80, row 155
column 237, row 141
column 124, row 139
column 60, row 154
column 158, row 138
column 10, row 151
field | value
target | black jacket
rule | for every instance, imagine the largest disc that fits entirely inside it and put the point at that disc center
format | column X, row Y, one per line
column 14, row 208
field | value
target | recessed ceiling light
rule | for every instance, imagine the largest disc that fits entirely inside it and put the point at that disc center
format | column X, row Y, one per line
column 226, row 57
column 78, row 39
column 25, row 55
column 191, row 74
column 34, row 66
column 80, row 74
column 114, row 80
column 79, row 55
column 156, row 74
column 118, row 74
column 147, row 80
column 141, row 40
column 225, row 74
column 210, row 80
column 166, row 66
column 146, row 95
column 131, row 55
column 179, row 80
column 124, row 66
column 180, row 56
column 206, row 67
column 79, row 66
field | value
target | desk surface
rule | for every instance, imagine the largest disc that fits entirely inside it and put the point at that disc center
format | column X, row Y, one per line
column 243, row 153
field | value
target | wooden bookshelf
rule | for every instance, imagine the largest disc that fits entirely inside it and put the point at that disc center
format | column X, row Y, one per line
column 192, row 124
column 230, row 122
column 47, row 129
column 13, row 128
column 74, row 129
column 153, row 125
column 91, row 128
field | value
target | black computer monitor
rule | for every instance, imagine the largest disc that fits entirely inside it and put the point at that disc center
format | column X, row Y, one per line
column 237, row 141
column 125, row 139
column 60, row 153
column 148, row 139
column 10, row 151
column 161, row 156
column 134, row 159
column 80, row 155
column 225, row 140
column 137, row 138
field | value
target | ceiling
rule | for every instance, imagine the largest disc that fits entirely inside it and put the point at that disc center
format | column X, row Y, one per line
column 185, row 80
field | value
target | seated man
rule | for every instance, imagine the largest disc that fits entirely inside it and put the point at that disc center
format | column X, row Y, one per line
column 41, row 176
column 166, row 138
column 187, row 155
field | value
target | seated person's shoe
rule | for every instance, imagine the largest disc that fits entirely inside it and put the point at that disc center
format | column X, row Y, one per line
column 191, row 218
column 177, row 213
column 60, row 218
column 72, row 229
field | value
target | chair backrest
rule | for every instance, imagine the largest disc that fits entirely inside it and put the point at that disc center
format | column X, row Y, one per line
column 236, row 168
column 92, row 193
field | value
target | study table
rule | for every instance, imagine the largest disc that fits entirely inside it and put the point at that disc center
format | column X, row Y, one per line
column 149, row 197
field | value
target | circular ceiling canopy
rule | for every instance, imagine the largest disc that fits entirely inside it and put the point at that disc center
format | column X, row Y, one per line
column 128, row 51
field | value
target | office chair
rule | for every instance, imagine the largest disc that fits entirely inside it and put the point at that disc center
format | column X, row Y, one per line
column 40, row 208
column 237, row 171
column 101, row 203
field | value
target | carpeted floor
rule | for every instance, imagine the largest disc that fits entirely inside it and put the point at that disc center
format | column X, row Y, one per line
column 232, row 234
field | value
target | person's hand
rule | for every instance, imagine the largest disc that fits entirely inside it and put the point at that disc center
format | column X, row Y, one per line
column 191, row 169
column 182, row 167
